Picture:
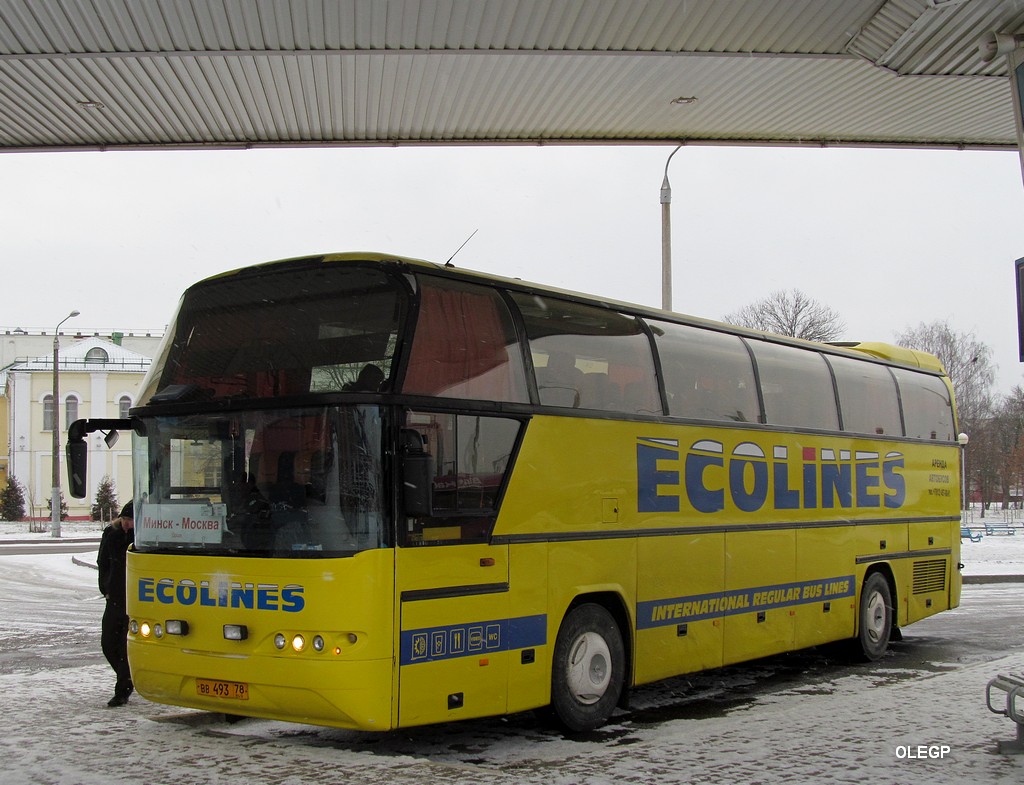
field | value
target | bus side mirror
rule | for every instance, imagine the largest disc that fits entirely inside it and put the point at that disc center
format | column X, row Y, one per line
column 78, row 459
column 417, row 476
column 78, row 447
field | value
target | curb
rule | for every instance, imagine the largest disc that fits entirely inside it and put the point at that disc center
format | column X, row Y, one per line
column 53, row 541
column 993, row 578
column 80, row 563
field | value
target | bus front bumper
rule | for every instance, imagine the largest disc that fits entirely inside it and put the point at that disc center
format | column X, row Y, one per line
column 345, row 694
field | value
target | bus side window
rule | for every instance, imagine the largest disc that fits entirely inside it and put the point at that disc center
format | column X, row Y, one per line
column 471, row 456
column 927, row 408
column 465, row 345
column 867, row 397
column 559, row 381
column 796, row 385
column 708, row 375
column 589, row 358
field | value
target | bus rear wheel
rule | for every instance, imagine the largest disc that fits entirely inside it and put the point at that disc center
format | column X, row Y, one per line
column 876, row 617
column 588, row 669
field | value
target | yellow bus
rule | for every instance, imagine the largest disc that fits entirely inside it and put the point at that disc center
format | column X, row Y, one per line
column 374, row 492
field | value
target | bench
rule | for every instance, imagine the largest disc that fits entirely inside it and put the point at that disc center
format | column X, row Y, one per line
column 966, row 533
column 999, row 528
column 1013, row 686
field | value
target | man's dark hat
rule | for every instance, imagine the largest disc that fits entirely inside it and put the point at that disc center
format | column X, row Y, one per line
column 128, row 511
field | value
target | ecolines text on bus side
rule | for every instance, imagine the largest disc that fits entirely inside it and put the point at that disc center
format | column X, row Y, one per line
column 707, row 473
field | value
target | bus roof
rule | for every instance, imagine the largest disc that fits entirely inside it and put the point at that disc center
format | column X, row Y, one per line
column 897, row 354
column 885, row 352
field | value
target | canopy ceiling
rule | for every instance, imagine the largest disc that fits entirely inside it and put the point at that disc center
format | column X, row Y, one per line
column 103, row 74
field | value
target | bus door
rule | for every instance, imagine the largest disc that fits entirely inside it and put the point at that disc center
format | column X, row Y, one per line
column 452, row 661
column 455, row 629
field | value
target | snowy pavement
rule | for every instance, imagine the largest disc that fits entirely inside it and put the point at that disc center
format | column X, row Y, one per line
column 56, row 730
column 844, row 725
column 753, row 724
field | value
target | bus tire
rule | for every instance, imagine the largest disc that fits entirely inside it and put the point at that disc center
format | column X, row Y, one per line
column 876, row 617
column 588, row 668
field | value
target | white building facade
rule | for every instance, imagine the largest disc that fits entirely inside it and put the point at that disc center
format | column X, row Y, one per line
column 98, row 379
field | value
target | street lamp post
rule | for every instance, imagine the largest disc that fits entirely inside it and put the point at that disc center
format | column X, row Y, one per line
column 55, row 495
column 666, row 237
column 962, row 440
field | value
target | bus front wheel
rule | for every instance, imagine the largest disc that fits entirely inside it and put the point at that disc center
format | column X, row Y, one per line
column 588, row 669
column 876, row 617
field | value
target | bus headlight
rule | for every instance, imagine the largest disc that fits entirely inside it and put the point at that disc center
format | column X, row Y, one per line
column 298, row 642
column 176, row 627
column 133, row 627
column 145, row 629
column 236, row 632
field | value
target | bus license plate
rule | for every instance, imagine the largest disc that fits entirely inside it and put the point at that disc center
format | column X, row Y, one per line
column 230, row 690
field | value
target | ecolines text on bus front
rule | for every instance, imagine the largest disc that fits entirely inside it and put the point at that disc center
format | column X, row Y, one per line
column 707, row 473
column 222, row 594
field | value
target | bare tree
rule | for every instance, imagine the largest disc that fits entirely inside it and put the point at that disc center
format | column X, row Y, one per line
column 1004, row 430
column 968, row 363
column 790, row 312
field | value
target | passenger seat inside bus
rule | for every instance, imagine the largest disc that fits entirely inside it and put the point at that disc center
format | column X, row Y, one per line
column 560, row 381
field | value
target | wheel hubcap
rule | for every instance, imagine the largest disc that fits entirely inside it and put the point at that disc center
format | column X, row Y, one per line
column 589, row 668
column 877, row 618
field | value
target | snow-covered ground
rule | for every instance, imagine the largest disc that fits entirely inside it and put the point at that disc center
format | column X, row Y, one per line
column 997, row 554
column 870, row 724
column 21, row 530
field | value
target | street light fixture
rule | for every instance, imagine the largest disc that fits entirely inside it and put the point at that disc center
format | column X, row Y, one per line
column 55, row 462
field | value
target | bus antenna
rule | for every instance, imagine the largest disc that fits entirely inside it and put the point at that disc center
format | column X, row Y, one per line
column 449, row 262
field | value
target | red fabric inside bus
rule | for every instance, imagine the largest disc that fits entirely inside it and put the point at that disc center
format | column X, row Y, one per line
column 460, row 348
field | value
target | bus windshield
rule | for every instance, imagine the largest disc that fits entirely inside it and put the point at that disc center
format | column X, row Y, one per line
column 306, row 328
column 283, row 482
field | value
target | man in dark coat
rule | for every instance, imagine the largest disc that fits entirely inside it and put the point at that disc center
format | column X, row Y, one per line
column 114, row 632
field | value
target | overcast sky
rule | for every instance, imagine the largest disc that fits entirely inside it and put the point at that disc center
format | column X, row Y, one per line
column 888, row 238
